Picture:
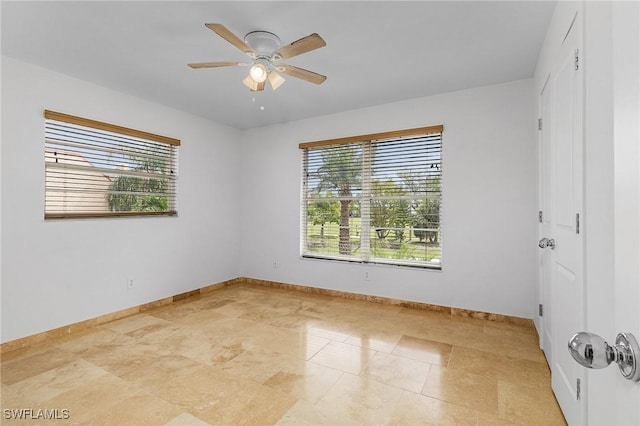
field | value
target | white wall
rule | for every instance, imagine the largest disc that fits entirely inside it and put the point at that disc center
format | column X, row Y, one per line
column 59, row 272
column 489, row 201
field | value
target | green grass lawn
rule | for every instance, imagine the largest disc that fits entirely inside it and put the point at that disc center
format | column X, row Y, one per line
column 410, row 248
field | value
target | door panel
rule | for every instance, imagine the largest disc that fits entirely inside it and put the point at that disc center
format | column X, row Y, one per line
column 545, row 224
column 613, row 170
column 562, row 268
column 563, row 103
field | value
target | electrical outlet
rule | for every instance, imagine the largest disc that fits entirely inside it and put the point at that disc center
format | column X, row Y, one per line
column 130, row 283
column 365, row 276
column 275, row 264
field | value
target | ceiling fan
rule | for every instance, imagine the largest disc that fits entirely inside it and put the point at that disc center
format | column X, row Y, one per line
column 265, row 50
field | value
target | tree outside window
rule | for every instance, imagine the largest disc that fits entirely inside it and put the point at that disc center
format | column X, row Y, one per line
column 374, row 201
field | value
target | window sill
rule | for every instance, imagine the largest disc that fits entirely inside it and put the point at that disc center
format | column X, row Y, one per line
column 431, row 267
column 54, row 216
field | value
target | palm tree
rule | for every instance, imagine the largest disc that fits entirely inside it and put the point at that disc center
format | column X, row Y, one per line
column 341, row 171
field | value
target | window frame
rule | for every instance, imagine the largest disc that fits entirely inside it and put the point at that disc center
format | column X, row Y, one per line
column 103, row 129
column 368, row 143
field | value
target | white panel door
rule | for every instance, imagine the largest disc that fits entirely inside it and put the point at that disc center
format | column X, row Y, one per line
column 562, row 266
column 561, row 274
column 545, row 171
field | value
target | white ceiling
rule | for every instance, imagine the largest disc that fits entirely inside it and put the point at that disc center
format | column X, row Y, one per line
column 377, row 52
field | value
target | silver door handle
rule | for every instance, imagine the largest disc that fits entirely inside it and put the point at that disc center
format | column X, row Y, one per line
column 592, row 351
column 547, row 242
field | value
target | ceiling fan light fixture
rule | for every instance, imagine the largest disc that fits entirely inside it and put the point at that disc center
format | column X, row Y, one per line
column 275, row 79
column 253, row 85
column 258, row 72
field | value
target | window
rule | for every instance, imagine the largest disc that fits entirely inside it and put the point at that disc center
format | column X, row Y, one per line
column 95, row 169
column 374, row 198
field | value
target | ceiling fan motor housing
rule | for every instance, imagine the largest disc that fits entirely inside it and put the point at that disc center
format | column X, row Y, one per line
column 263, row 42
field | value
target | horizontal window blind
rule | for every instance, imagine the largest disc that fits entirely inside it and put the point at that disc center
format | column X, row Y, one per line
column 374, row 200
column 95, row 169
column 333, row 193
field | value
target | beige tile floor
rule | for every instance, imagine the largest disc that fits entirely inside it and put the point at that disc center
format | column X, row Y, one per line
column 255, row 355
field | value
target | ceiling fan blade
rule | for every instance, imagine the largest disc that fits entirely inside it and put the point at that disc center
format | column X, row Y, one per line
column 298, row 47
column 223, row 32
column 303, row 74
column 215, row 64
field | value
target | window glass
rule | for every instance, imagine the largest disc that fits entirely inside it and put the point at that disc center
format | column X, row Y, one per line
column 375, row 200
column 94, row 169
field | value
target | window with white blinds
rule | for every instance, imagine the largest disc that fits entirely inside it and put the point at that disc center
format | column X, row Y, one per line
column 96, row 169
column 374, row 198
